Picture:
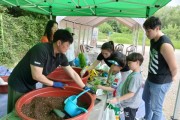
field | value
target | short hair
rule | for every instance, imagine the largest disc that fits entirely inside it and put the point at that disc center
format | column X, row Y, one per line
column 135, row 57
column 108, row 46
column 63, row 36
column 152, row 23
column 48, row 28
column 120, row 58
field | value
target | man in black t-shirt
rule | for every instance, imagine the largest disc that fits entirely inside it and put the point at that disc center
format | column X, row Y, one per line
column 38, row 62
column 162, row 69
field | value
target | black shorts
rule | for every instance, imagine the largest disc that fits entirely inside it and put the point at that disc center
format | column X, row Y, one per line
column 130, row 113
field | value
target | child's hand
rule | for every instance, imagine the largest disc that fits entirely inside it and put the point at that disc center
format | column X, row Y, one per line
column 113, row 100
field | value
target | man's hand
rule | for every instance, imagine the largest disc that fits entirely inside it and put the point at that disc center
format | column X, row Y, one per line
column 90, row 90
column 59, row 85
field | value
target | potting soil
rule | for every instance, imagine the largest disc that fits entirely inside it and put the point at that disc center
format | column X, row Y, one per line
column 40, row 108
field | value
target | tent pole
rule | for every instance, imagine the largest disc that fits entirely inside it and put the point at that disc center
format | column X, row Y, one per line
column 87, row 37
column 143, row 43
column 137, row 37
column 177, row 105
column 79, row 37
column 84, row 34
column 91, row 37
column 50, row 16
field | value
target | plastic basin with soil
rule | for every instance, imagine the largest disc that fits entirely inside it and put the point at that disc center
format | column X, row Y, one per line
column 4, row 88
column 58, row 94
column 60, row 75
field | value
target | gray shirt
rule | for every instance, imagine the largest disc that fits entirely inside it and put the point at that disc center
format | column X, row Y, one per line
column 133, row 84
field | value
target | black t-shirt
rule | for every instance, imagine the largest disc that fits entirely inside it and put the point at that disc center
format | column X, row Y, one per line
column 41, row 55
column 113, row 55
column 159, row 71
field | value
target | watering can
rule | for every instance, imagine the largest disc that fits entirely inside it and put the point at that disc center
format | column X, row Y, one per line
column 71, row 106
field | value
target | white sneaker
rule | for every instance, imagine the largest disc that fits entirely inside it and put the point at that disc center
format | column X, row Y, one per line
column 140, row 118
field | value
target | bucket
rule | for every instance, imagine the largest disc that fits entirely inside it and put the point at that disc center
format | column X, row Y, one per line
column 4, row 88
column 55, row 92
column 60, row 75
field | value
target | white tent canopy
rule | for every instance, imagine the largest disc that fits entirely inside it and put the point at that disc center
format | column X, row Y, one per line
column 95, row 21
column 83, row 27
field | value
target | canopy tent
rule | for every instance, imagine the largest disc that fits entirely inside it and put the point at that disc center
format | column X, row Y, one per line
column 103, row 8
column 95, row 21
column 110, row 8
column 84, row 27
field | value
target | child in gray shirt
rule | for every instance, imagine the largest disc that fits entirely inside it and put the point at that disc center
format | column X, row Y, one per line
column 130, row 96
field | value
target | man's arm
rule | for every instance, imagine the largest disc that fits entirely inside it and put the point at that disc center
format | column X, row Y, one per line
column 38, row 76
column 74, row 76
column 168, row 53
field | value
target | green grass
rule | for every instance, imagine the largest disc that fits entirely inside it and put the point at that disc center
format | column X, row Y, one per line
column 121, row 38
column 125, row 38
column 116, row 37
column 176, row 44
column 102, row 37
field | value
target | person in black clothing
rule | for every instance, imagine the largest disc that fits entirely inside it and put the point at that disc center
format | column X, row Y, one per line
column 162, row 69
column 108, row 53
column 38, row 62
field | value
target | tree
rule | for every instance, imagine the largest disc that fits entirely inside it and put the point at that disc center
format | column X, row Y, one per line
column 115, row 25
column 105, row 28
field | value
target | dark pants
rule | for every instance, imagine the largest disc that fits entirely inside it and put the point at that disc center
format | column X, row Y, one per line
column 130, row 113
column 13, row 96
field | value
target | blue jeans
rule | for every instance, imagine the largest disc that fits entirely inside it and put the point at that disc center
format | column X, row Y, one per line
column 153, row 96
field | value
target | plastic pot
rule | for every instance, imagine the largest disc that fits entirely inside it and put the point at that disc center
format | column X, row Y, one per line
column 60, row 75
column 55, row 92
column 4, row 88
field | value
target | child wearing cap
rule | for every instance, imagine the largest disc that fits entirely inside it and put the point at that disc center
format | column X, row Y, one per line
column 130, row 95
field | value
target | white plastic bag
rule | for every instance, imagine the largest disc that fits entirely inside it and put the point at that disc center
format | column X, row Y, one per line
column 108, row 114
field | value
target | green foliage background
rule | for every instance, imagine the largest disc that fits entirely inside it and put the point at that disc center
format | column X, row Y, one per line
column 169, row 17
column 19, row 34
column 20, row 30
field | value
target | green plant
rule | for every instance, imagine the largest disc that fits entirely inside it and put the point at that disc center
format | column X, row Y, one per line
column 82, row 60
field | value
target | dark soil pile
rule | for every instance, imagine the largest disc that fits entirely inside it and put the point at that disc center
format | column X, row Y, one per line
column 40, row 108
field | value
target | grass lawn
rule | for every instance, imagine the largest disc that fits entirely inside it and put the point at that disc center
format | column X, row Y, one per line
column 125, row 38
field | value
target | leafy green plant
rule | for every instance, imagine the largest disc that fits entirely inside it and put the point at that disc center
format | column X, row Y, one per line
column 82, row 60
column 97, row 82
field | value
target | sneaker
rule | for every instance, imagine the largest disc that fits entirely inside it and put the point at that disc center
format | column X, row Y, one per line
column 140, row 118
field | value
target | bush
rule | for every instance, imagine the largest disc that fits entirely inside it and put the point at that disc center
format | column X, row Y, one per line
column 105, row 28
column 18, row 35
